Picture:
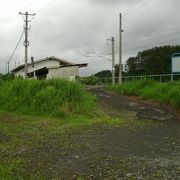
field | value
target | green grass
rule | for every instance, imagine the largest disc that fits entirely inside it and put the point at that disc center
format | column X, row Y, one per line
column 45, row 118
column 168, row 93
column 20, row 134
column 52, row 97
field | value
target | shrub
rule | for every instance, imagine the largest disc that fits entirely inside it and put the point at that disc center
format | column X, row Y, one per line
column 51, row 97
column 7, row 76
column 148, row 89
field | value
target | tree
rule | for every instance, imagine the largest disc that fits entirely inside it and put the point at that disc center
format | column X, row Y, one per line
column 103, row 74
column 7, row 76
column 152, row 61
column 117, row 71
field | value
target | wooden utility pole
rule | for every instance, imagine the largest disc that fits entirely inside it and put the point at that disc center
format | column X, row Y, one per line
column 26, row 42
column 8, row 67
column 120, row 49
column 113, row 59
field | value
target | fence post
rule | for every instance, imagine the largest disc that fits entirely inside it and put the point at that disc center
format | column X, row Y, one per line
column 172, row 78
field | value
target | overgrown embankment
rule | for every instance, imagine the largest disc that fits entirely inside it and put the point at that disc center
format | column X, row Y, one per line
column 168, row 93
column 51, row 97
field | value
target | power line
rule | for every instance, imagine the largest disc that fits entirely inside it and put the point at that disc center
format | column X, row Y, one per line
column 152, row 37
column 16, row 46
column 93, row 54
column 134, row 42
column 149, row 40
column 145, row 40
column 40, row 9
column 145, row 3
column 26, row 42
column 132, row 49
column 29, row 4
column 15, row 49
column 45, row 6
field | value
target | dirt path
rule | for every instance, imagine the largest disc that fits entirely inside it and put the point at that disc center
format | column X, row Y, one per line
column 138, row 109
column 41, row 150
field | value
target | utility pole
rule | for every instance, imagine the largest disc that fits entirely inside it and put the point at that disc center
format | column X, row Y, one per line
column 26, row 42
column 8, row 67
column 113, row 59
column 120, row 49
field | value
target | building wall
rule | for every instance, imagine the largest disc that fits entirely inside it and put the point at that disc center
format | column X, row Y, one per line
column 64, row 72
column 39, row 65
column 53, row 70
column 19, row 73
column 42, row 64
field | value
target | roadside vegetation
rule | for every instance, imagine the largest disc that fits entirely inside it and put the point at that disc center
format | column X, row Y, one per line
column 54, row 130
column 36, row 147
column 56, row 98
column 168, row 93
column 39, row 121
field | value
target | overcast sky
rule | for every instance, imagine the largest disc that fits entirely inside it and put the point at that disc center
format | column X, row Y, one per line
column 70, row 29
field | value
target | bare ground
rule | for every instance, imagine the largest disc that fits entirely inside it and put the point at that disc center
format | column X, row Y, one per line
column 141, row 109
column 147, row 151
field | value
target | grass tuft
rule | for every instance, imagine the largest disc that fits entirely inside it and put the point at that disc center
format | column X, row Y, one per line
column 52, row 97
column 168, row 93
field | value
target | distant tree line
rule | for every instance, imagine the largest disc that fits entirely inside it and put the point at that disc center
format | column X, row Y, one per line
column 6, row 76
column 152, row 61
column 103, row 74
column 148, row 62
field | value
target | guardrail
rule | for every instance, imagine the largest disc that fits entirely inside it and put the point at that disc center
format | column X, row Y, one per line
column 108, row 80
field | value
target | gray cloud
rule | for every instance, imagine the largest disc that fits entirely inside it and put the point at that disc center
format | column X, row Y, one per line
column 113, row 2
column 70, row 29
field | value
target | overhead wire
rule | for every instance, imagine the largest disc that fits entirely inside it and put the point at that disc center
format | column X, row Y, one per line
column 137, row 48
column 154, row 37
column 147, row 40
column 145, row 3
column 16, row 47
column 159, row 34
column 130, row 12
column 40, row 9
column 159, row 44
column 28, row 5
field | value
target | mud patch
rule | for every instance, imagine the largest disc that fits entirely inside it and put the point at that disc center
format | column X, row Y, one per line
column 143, row 110
column 4, row 138
column 106, row 152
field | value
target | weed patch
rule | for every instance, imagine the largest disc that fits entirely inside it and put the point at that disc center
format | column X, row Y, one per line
column 168, row 93
column 52, row 97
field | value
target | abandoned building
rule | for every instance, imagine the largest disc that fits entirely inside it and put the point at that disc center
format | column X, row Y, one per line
column 50, row 67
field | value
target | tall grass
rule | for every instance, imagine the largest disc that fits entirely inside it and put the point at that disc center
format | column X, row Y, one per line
column 51, row 97
column 168, row 93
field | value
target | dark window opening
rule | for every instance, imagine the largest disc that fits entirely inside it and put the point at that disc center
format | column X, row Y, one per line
column 176, row 55
column 31, row 75
column 42, row 74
